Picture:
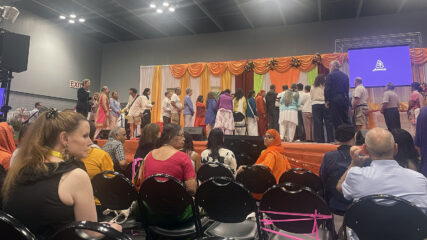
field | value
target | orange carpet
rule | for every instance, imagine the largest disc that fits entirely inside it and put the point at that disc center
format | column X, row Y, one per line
column 302, row 155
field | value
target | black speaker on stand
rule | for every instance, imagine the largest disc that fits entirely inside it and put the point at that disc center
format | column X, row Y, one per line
column 196, row 132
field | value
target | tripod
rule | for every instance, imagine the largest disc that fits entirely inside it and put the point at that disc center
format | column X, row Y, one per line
column 6, row 80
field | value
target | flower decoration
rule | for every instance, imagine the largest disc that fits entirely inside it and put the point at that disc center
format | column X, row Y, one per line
column 295, row 62
column 249, row 66
column 317, row 59
column 271, row 65
column 52, row 113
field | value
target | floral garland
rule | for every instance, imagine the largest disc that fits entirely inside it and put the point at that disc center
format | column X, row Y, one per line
column 249, row 66
column 271, row 65
column 295, row 62
column 317, row 59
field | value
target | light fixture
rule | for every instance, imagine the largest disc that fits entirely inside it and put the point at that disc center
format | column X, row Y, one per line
column 71, row 21
column 159, row 10
column 73, row 15
column 82, row 20
column 166, row 4
column 152, row 5
column 171, row 9
column 62, row 17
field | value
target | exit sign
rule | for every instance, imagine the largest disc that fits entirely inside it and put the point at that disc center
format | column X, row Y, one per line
column 75, row 84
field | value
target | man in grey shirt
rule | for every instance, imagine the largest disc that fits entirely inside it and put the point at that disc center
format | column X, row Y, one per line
column 390, row 108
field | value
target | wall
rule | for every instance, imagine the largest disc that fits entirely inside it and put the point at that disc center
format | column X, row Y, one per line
column 57, row 54
column 121, row 61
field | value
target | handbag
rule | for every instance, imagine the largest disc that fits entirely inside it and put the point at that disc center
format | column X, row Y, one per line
column 127, row 112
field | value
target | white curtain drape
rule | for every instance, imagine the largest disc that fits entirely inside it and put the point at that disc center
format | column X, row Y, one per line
column 146, row 75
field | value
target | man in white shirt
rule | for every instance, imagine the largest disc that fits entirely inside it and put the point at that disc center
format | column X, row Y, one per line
column 307, row 116
column 384, row 175
column 360, row 104
column 279, row 96
column 166, row 108
column 35, row 112
column 134, row 108
column 176, row 106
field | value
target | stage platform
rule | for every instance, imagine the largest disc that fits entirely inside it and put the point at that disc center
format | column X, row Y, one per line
column 303, row 155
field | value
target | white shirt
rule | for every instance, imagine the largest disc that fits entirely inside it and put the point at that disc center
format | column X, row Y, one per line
column 226, row 157
column 146, row 103
column 279, row 96
column 33, row 115
column 177, row 102
column 166, row 107
column 300, row 94
column 361, row 93
column 386, row 177
column 305, row 102
column 137, row 108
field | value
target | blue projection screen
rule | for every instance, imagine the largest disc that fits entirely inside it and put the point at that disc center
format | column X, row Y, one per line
column 1, row 97
column 378, row 66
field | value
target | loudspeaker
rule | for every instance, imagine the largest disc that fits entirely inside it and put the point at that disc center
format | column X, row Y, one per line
column 196, row 132
column 14, row 51
column 246, row 149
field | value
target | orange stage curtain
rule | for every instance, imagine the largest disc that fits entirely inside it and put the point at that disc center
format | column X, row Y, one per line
column 417, row 73
column 282, row 64
column 156, row 91
column 217, row 68
column 236, row 67
column 226, row 80
column 183, row 85
column 418, row 55
column 329, row 57
column 196, row 69
column 261, row 66
column 204, row 83
column 286, row 78
column 306, row 63
column 178, row 70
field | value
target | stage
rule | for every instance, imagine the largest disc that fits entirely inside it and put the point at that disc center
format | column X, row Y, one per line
column 302, row 155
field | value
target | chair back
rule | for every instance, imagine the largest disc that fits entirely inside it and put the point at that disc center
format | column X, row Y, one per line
column 11, row 228
column 246, row 149
column 256, row 178
column 294, row 202
column 73, row 231
column 114, row 190
column 225, row 200
column 386, row 217
column 214, row 169
column 304, row 178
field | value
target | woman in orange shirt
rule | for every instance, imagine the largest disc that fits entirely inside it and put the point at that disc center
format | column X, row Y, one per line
column 199, row 121
column 7, row 144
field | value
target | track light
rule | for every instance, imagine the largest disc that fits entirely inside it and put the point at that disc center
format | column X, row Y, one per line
column 171, row 9
column 152, row 5
column 62, row 17
column 159, row 10
column 166, row 4
column 82, row 20
column 71, row 21
column 73, row 16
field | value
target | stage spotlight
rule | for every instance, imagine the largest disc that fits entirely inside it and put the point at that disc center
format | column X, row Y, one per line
column 159, row 10
column 171, row 9
column 71, row 21
column 73, row 16
column 62, row 17
column 152, row 5
column 82, row 20
column 166, row 4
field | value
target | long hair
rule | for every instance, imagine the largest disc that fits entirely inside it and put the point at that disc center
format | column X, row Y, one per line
column 211, row 95
column 145, row 93
column 239, row 94
column 42, row 137
column 215, row 142
column 291, row 93
column 200, row 98
column 319, row 80
column 406, row 148
column 149, row 138
column 170, row 131
column 188, row 143
column 251, row 94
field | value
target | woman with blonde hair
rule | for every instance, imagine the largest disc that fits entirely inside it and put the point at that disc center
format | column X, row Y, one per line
column 46, row 187
column 103, row 114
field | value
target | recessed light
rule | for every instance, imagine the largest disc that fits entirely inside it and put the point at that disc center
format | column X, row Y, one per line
column 71, row 21
column 82, row 20
column 166, row 4
column 73, row 16
column 171, row 9
column 62, row 17
column 159, row 10
column 152, row 5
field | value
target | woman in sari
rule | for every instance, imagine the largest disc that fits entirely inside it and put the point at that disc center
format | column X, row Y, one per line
column 416, row 102
column 103, row 113
column 199, row 121
column 94, row 107
column 7, row 144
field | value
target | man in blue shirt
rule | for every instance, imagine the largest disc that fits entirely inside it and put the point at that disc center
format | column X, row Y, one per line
column 188, row 108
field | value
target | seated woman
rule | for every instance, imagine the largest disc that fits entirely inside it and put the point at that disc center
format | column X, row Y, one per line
column 46, row 187
column 273, row 157
column 7, row 144
column 189, row 150
column 148, row 141
column 407, row 156
column 216, row 151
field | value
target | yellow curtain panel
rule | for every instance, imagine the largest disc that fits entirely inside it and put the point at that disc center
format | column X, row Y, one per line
column 156, row 95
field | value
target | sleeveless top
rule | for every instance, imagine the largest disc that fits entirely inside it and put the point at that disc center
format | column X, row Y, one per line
column 35, row 202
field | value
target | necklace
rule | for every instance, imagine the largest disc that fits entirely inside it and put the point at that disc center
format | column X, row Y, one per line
column 56, row 154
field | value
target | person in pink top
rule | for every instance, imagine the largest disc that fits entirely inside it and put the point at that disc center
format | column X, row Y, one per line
column 416, row 102
column 168, row 159
column 224, row 117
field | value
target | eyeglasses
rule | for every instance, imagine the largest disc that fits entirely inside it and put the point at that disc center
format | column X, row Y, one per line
column 269, row 137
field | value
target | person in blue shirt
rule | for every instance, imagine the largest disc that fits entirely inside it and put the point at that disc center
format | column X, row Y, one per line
column 251, row 114
column 210, row 112
column 188, row 108
column 288, row 119
column 115, row 109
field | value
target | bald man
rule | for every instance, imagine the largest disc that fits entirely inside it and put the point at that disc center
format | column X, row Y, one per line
column 384, row 175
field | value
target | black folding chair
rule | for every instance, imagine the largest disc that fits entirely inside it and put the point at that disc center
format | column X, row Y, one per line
column 239, row 117
column 164, row 197
column 246, row 149
column 11, row 228
column 74, row 231
column 286, row 204
column 214, row 169
column 385, row 217
column 228, row 203
column 256, row 178
column 304, row 178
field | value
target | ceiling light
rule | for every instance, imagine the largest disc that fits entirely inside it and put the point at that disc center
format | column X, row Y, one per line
column 71, row 21
column 171, row 9
column 73, row 16
column 62, row 17
column 152, row 5
column 159, row 10
column 166, row 4
column 82, row 20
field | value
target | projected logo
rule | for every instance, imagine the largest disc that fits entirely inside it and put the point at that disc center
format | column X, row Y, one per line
column 379, row 66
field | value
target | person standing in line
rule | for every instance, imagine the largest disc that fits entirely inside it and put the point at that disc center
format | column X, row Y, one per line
column 390, row 108
column 210, row 112
column 416, row 102
column 307, row 116
column 261, row 109
column 337, row 89
column 273, row 112
column 115, row 111
column 146, row 108
column 290, row 103
column 34, row 114
column 252, row 115
column 94, row 106
column 239, row 106
column 83, row 106
column 277, row 104
column 176, row 107
column 199, row 120
column 103, row 114
column 134, row 110
column 421, row 139
column 188, row 108
column 321, row 115
column 360, row 105
column 299, row 133
column 166, row 108
column 224, row 117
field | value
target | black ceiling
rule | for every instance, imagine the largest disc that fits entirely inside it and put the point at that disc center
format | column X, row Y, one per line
column 127, row 20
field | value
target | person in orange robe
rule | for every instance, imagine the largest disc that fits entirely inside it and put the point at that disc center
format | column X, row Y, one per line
column 199, row 121
column 7, row 144
column 261, row 109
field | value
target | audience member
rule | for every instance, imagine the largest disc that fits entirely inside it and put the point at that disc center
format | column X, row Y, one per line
column 176, row 107
column 134, row 111
column 189, row 150
column 216, row 152
column 299, row 131
column 199, row 120
column 20, row 139
column 224, row 117
column 289, row 113
column 46, row 187
column 252, row 115
column 103, row 114
column 115, row 110
column 390, row 108
column 211, row 110
column 261, row 109
column 148, row 141
column 360, row 105
column 166, row 108
column 188, row 108
column 384, row 175
column 416, row 102
column 7, row 144
column 421, row 139
column 239, row 106
column 34, row 114
column 272, row 111
column 114, row 147
column 83, row 98
column 146, row 108
column 321, row 115
column 94, row 106
column 307, row 115
column 407, row 155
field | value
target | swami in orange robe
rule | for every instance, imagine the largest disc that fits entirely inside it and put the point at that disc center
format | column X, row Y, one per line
column 199, row 121
column 261, row 109
column 7, row 144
